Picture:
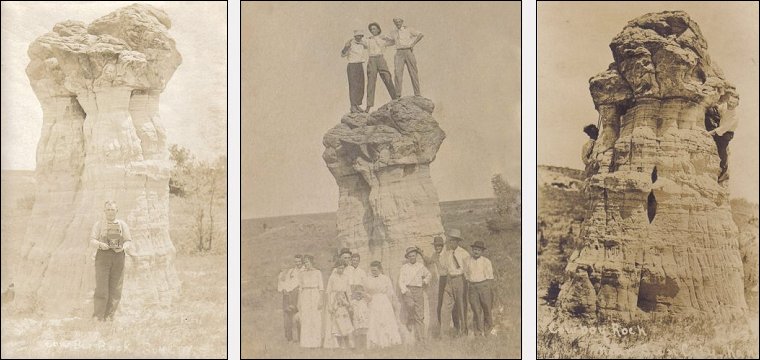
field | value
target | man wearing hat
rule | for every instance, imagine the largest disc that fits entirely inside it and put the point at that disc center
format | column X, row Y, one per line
column 454, row 261
column 287, row 284
column 479, row 274
column 355, row 50
column 413, row 276
column 438, row 283
column 405, row 39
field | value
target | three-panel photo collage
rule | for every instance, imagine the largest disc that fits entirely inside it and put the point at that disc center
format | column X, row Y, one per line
column 380, row 179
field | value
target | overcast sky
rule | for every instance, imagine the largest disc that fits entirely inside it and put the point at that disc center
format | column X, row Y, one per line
column 573, row 45
column 193, row 105
column 295, row 89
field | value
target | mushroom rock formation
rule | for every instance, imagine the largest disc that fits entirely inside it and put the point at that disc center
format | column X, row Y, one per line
column 381, row 162
column 659, row 236
column 102, row 139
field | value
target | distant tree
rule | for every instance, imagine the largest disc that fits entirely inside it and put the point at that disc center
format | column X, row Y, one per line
column 202, row 183
column 508, row 205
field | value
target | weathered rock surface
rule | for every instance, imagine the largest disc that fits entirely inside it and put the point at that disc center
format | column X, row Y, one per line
column 102, row 139
column 659, row 235
column 381, row 162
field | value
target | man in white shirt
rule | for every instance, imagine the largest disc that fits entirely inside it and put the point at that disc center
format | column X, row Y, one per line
column 413, row 276
column 287, row 284
column 479, row 275
column 454, row 259
column 355, row 50
column 112, row 239
column 405, row 39
column 720, row 122
column 376, row 64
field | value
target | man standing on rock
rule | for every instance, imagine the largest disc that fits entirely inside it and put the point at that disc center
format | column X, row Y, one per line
column 376, row 64
column 113, row 240
column 479, row 275
column 355, row 50
column 287, row 284
column 405, row 39
column 454, row 261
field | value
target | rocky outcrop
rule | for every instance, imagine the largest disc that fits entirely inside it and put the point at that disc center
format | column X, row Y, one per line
column 381, row 162
column 102, row 139
column 659, row 236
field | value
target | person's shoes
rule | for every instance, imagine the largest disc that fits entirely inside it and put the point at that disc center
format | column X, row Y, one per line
column 723, row 177
column 367, row 109
column 354, row 109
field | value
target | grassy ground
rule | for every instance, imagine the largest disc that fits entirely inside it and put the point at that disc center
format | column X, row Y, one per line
column 194, row 327
column 265, row 252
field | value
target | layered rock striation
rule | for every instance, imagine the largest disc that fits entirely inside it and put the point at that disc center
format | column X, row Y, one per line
column 658, row 236
column 99, row 86
column 381, row 163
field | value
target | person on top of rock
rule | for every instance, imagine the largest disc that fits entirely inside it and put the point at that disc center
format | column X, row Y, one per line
column 377, row 65
column 405, row 39
column 112, row 239
column 720, row 122
column 355, row 50
column 587, row 154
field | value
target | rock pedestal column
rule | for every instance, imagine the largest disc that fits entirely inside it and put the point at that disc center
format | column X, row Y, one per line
column 381, row 163
column 658, row 237
column 99, row 86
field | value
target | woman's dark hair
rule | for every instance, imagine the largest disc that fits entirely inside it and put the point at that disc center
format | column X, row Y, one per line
column 591, row 130
column 377, row 264
column 309, row 258
column 369, row 27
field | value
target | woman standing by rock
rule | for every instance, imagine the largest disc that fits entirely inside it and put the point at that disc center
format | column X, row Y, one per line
column 310, row 303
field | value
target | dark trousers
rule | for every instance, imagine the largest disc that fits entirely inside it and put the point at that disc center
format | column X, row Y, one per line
column 722, row 143
column 441, row 292
column 406, row 57
column 377, row 65
column 415, row 307
column 109, row 277
column 481, row 301
column 355, row 73
column 289, row 309
column 456, row 291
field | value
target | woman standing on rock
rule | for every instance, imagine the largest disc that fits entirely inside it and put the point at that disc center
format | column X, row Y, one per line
column 376, row 64
column 310, row 302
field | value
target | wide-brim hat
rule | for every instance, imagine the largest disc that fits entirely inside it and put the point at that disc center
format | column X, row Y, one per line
column 454, row 233
column 344, row 251
column 437, row 240
column 478, row 244
column 412, row 249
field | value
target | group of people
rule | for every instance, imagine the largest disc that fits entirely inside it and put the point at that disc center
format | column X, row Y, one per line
column 367, row 310
column 359, row 50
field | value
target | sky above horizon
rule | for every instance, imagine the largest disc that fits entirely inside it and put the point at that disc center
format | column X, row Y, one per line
column 193, row 106
column 295, row 89
column 564, row 102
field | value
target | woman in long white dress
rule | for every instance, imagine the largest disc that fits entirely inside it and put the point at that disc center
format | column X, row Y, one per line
column 338, row 326
column 383, row 328
column 310, row 302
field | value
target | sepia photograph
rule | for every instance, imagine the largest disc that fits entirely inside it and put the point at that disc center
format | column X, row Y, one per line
column 380, row 180
column 114, row 179
column 647, row 183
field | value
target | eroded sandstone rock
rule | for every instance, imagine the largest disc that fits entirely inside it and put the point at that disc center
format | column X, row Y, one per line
column 381, row 163
column 102, row 139
column 658, row 236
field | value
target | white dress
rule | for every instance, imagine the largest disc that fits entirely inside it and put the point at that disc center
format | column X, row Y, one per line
column 337, row 320
column 311, row 285
column 383, row 328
